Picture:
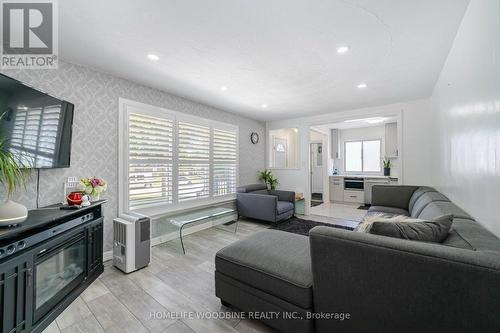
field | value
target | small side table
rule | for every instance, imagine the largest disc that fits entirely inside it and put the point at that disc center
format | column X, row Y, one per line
column 202, row 216
column 300, row 206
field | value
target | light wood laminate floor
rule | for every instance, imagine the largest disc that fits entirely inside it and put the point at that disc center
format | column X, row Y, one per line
column 172, row 283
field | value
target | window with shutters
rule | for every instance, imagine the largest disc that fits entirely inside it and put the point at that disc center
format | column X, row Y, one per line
column 194, row 161
column 150, row 156
column 173, row 160
column 225, row 152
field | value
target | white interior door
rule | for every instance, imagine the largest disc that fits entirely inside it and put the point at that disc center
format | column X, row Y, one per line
column 316, row 168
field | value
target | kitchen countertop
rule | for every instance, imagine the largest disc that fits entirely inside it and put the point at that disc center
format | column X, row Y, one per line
column 364, row 176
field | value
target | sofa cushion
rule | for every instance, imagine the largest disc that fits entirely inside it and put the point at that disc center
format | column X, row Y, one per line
column 419, row 191
column 387, row 210
column 265, row 192
column 468, row 233
column 424, row 200
column 251, row 188
column 276, row 262
column 438, row 208
column 425, row 231
column 392, row 195
column 284, row 206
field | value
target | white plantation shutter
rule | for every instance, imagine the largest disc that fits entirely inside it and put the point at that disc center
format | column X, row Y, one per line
column 225, row 153
column 194, row 161
column 150, row 152
column 172, row 160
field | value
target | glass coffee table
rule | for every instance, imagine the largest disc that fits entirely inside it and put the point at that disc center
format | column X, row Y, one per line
column 213, row 214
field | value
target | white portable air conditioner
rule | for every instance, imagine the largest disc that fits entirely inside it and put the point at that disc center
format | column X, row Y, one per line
column 131, row 242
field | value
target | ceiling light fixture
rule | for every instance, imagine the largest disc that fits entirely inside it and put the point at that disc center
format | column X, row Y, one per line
column 342, row 49
column 153, row 57
column 264, row 106
column 362, row 85
column 223, row 88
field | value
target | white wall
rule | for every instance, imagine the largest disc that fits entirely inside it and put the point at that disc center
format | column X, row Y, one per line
column 466, row 104
column 415, row 143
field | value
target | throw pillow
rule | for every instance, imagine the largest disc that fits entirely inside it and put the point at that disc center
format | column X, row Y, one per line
column 426, row 231
column 370, row 218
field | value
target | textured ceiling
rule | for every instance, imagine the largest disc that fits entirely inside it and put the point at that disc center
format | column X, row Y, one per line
column 281, row 52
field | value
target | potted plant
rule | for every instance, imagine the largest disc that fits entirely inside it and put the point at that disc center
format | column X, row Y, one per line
column 268, row 178
column 13, row 174
column 387, row 167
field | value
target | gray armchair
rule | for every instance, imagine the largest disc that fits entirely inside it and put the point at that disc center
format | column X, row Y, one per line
column 255, row 201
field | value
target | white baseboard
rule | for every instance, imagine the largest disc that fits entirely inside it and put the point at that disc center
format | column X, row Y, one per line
column 107, row 255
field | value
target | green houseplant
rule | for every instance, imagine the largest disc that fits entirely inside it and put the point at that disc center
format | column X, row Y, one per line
column 13, row 175
column 387, row 167
column 268, row 178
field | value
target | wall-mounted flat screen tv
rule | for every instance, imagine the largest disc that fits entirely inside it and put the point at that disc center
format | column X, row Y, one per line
column 36, row 127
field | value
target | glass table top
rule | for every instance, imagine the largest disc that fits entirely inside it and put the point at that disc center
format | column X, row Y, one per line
column 199, row 215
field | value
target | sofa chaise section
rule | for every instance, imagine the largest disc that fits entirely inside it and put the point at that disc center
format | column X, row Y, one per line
column 268, row 271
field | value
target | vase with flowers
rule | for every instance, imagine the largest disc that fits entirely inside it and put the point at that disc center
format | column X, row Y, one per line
column 93, row 186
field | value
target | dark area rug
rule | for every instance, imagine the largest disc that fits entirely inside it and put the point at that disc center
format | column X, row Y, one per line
column 302, row 227
column 364, row 207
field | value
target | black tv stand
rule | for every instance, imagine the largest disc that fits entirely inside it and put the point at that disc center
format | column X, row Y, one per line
column 46, row 262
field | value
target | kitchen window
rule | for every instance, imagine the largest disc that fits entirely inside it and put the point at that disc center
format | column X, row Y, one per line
column 170, row 160
column 363, row 156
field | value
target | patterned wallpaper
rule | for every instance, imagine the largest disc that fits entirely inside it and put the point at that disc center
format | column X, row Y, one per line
column 95, row 131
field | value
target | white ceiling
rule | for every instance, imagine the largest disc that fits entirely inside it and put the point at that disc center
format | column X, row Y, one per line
column 281, row 52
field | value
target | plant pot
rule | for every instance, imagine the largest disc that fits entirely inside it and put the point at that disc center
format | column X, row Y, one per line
column 12, row 213
column 387, row 171
column 95, row 197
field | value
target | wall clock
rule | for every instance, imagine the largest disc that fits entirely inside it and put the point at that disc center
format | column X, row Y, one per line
column 254, row 137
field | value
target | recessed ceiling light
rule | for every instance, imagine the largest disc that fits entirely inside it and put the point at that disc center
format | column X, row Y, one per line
column 362, row 85
column 153, row 57
column 264, row 106
column 342, row 49
column 223, row 88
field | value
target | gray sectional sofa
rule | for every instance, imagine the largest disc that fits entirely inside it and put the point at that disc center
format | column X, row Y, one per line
column 385, row 284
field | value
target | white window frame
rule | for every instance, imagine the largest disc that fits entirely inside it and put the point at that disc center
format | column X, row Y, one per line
column 126, row 107
column 362, row 159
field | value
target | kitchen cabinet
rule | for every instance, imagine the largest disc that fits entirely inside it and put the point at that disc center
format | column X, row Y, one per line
column 391, row 140
column 354, row 196
column 336, row 189
column 335, row 143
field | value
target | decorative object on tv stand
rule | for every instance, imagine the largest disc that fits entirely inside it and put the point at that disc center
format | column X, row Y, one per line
column 387, row 167
column 93, row 186
column 268, row 178
column 13, row 174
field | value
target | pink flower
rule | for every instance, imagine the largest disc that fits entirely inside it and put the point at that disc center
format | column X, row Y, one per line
column 94, row 182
